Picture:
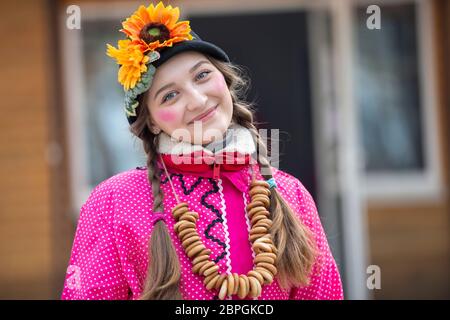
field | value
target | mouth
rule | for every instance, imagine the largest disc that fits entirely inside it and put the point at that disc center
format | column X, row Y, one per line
column 204, row 114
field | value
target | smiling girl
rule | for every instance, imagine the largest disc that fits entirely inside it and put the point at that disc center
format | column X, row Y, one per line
column 208, row 217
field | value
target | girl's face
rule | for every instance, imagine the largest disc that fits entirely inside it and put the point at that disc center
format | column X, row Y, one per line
column 189, row 99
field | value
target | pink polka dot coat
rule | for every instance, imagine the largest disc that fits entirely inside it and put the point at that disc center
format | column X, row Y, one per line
column 109, row 256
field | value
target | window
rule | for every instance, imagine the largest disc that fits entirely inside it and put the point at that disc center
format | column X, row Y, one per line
column 110, row 146
column 388, row 93
column 100, row 142
column 393, row 90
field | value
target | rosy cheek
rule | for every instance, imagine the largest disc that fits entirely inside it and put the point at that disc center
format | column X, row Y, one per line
column 166, row 116
column 220, row 84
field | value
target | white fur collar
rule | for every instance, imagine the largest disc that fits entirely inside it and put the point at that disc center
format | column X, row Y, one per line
column 238, row 138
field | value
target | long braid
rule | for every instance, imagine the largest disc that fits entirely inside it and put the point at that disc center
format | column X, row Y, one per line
column 153, row 176
column 164, row 273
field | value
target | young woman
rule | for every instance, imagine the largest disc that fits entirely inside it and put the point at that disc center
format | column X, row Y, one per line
column 208, row 217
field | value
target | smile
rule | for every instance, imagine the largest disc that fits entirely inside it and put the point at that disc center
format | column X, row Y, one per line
column 206, row 116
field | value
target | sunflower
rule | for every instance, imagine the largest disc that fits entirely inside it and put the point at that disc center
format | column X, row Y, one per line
column 156, row 27
column 132, row 60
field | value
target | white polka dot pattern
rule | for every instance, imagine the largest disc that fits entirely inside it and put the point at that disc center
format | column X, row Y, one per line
column 109, row 256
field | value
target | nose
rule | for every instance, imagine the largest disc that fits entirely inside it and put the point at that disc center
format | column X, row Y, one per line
column 197, row 99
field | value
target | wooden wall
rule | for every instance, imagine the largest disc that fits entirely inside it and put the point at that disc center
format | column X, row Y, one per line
column 25, row 228
column 35, row 226
column 411, row 244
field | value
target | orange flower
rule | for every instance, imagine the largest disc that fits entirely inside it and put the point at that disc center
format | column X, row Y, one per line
column 132, row 60
column 156, row 27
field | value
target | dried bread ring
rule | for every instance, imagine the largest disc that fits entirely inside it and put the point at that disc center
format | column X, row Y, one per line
column 255, row 230
column 178, row 213
column 211, row 283
column 243, row 291
column 236, row 283
column 268, row 277
column 265, row 239
column 189, row 241
column 211, row 270
column 219, row 281
column 264, row 199
column 193, row 213
column 255, row 287
column 230, row 280
column 257, row 275
column 205, row 251
column 223, row 289
column 261, row 247
column 189, row 236
column 259, row 190
column 247, row 283
column 188, row 217
column 264, row 223
column 179, row 210
column 259, row 216
column 254, row 204
column 254, row 237
column 177, row 225
column 259, row 183
column 264, row 212
column 255, row 210
column 198, row 265
column 259, row 289
column 260, row 195
column 185, row 224
column 209, row 277
column 265, row 259
column 180, row 205
column 206, row 266
column 200, row 258
column 187, row 231
column 268, row 254
column 193, row 245
column 181, row 225
column 270, row 267
column 274, row 249
column 194, row 251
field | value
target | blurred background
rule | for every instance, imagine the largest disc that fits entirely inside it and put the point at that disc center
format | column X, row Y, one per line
column 363, row 114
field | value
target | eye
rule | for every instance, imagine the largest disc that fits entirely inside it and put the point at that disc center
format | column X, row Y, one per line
column 203, row 72
column 167, row 95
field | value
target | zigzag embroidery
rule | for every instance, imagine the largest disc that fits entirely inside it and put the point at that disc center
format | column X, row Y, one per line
column 213, row 223
column 207, row 205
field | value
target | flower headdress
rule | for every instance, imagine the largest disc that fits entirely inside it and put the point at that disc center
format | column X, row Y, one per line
column 154, row 35
column 149, row 30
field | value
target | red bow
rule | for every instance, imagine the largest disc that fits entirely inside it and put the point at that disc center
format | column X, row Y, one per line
column 201, row 162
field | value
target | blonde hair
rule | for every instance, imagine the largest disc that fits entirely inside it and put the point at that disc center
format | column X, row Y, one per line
column 294, row 241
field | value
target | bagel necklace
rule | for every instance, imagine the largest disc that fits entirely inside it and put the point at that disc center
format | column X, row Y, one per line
column 264, row 270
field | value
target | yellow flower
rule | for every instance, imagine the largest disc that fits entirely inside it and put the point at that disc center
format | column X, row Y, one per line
column 148, row 29
column 132, row 60
column 156, row 27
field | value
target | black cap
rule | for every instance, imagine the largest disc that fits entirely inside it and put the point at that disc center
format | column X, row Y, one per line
column 196, row 44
